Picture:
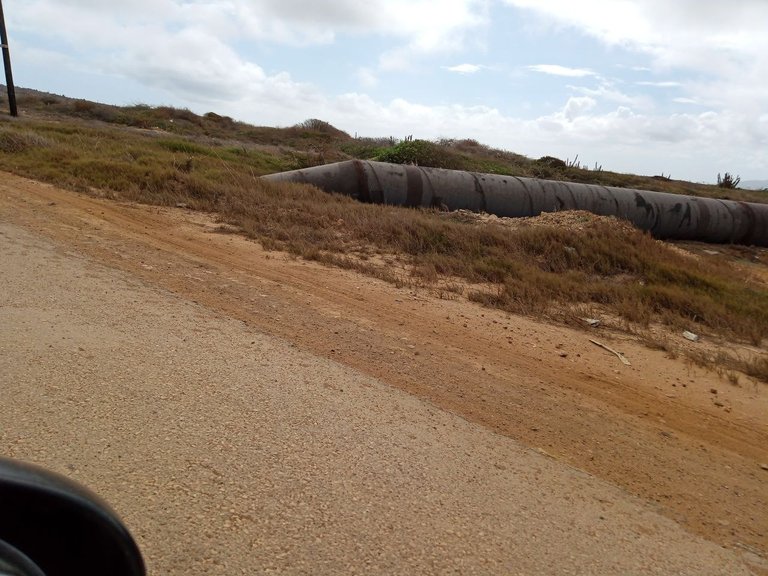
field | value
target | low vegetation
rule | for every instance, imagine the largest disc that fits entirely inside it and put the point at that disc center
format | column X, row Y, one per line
column 728, row 181
column 167, row 156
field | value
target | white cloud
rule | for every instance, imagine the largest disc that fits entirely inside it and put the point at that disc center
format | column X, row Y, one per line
column 419, row 27
column 577, row 106
column 425, row 23
column 35, row 56
column 465, row 68
column 620, row 139
column 665, row 84
column 607, row 91
column 725, row 41
column 367, row 77
column 190, row 49
column 663, row 27
column 194, row 62
column 556, row 70
column 722, row 45
column 186, row 47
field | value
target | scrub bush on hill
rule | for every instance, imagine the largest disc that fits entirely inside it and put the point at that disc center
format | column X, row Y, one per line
column 420, row 153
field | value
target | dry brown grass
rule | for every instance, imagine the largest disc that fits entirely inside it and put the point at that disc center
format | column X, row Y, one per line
column 536, row 270
column 314, row 142
column 542, row 271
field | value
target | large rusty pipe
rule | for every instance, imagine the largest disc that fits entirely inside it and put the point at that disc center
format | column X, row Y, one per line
column 668, row 216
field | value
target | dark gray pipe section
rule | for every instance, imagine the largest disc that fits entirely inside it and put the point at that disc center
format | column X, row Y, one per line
column 669, row 216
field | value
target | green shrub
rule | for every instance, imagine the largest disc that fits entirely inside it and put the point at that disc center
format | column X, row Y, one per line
column 419, row 153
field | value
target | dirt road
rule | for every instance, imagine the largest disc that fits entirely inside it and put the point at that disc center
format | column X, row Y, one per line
column 246, row 411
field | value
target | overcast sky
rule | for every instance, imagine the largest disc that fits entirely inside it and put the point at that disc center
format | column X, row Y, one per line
column 645, row 86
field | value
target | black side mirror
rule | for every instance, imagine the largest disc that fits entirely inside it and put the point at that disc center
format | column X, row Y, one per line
column 50, row 526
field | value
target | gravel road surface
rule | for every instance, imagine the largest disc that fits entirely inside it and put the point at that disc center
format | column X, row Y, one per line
column 229, row 451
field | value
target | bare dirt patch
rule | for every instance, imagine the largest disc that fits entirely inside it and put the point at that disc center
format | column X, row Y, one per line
column 576, row 220
column 658, row 428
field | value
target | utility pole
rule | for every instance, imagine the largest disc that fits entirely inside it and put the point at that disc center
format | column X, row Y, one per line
column 7, row 62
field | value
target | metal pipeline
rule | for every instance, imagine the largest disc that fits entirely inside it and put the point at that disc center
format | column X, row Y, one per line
column 666, row 216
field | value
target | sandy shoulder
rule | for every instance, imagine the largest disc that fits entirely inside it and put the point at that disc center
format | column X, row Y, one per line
column 229, row 451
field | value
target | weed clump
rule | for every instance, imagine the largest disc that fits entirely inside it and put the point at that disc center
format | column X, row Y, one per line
column 12, row 142
column 728, row 181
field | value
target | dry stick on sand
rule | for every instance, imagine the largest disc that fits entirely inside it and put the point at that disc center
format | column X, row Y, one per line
column 619, row 355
